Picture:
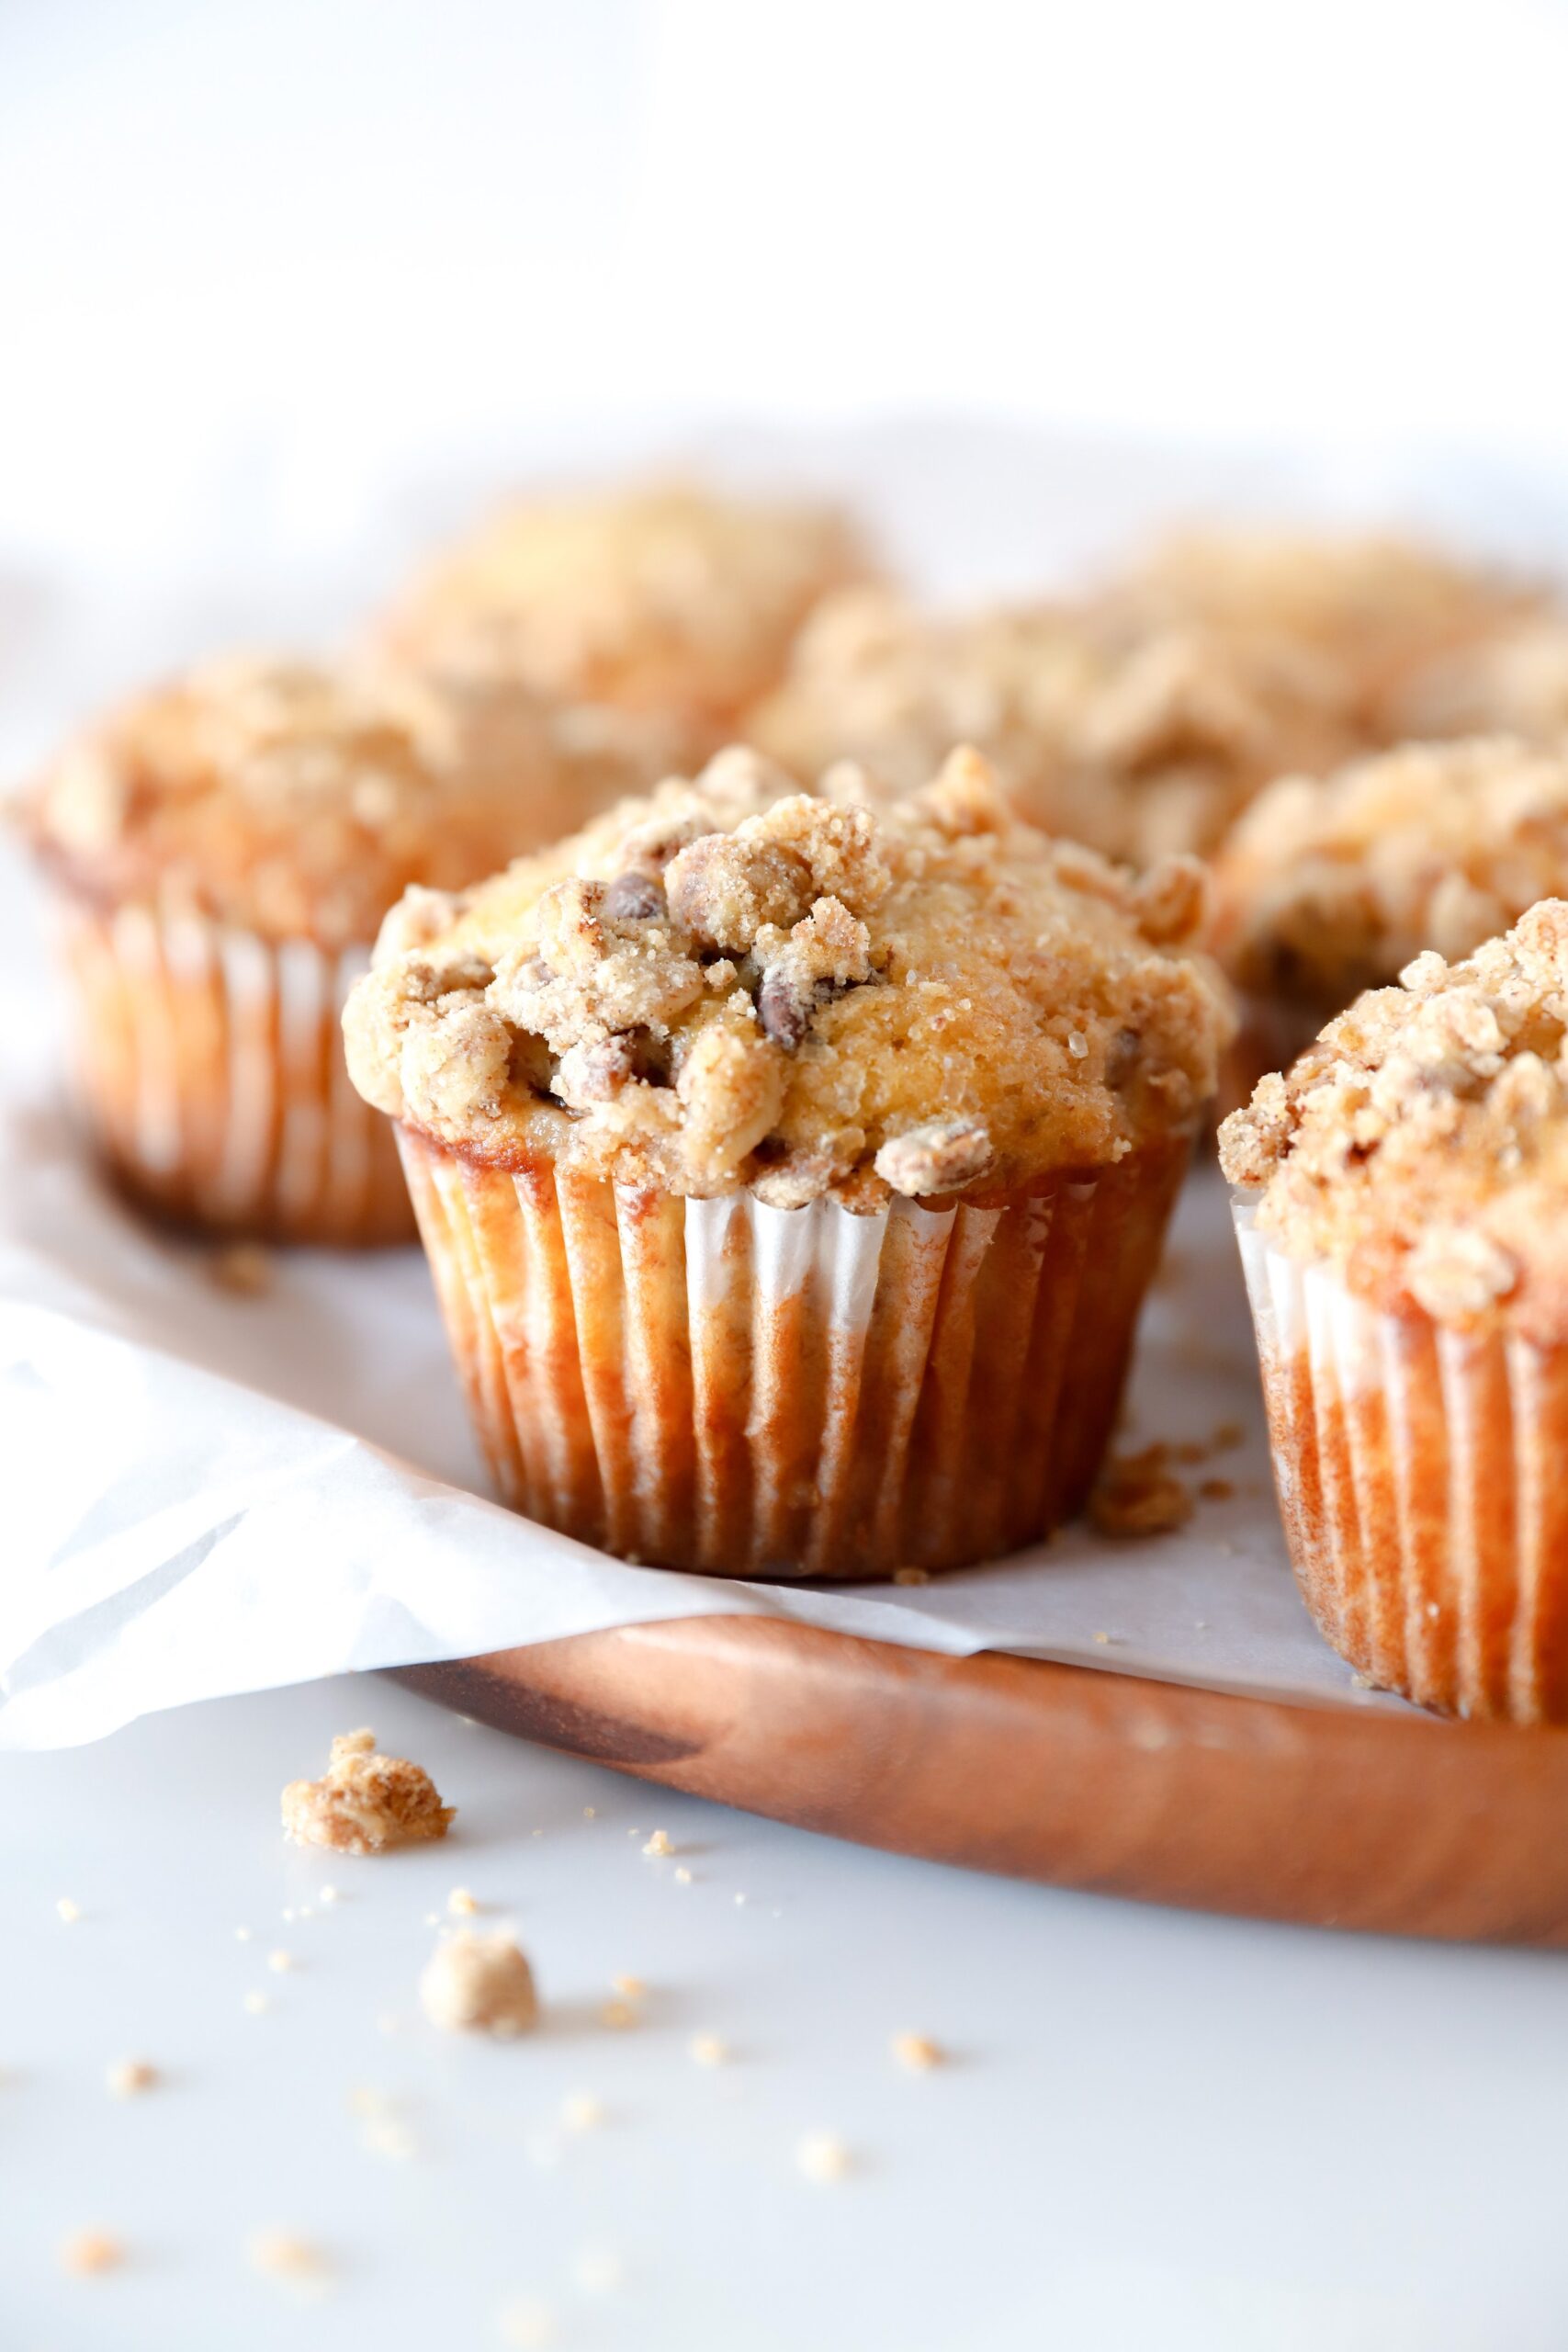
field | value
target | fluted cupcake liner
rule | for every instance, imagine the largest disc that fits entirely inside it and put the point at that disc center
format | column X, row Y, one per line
column 743, row 1390
column 1419, row 1475
column 210, row 1065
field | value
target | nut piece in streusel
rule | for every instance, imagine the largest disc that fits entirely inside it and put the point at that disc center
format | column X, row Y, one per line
column 480, row 1983
column 364, row 1801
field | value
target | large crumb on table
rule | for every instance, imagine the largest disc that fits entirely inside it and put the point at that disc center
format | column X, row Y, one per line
column 480, row 1983
column 1139, row 1495
column 364, row 1801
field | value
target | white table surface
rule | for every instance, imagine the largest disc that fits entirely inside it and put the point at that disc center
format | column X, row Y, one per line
column 1154, row 2129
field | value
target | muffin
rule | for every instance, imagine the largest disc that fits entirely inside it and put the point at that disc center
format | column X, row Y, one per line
column 1140, row 741
column 664, row 598
column 222, row 851
column 1512, row 681
column 1328, row 886
column 792, row 1175
column 1375, row 606
column 1403, row 1208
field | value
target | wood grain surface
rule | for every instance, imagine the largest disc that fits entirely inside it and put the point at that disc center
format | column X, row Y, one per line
column 1384, row 1821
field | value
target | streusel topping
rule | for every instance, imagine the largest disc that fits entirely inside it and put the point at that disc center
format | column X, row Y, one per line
column 298, row 799
column 731, row 984
column 663, row 598
column 1421, row 1146
column 1328, row 888
column 1513, row 681
column 1140, row 741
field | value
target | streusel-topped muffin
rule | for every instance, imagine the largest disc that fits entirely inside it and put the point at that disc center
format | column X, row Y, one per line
column 1140, row 741
column 664, row 598
column 223, row 849
column 1404, row 1226
column 762, row 1143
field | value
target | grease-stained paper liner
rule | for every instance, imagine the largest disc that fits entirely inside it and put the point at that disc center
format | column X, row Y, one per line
column 743, row 1390
column 1420, row 1475
column 209, row 1064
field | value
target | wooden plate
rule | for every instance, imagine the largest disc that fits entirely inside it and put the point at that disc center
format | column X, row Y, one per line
column 1073, row 1777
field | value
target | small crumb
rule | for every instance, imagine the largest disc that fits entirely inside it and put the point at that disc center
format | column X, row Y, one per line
column 89, row 2253
column 479, row 1984
column 127, row 2076
column 822, row 2156
column 598, row 2271
column 917, row 2053
column 1136, row 1495
column 1101, row 1637
column 911, row 1576
column 243, row 1268
column 1215, row 1491
column 329, row 1895
column 242, row 1935
column 526, row 2326
column 255, row 2003
column 1227, row 1437
column 590, row 1812
column 1363, row 1682
column 462, row 1903
column 292, row 2261
column 630, row 1988
column 682, row 1875
column 280, row 1962
column 67, row 1912
column 581, row 2112
column 659, row 1844
column 364, row 1802
column 617, row 2015
column 708, row 2050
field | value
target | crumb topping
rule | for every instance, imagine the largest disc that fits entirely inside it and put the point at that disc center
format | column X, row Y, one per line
column 1513, row 681
column 1138, row 736
column 659, row 598
column 298, row 799
column 731, row 984
column 480, row 1983
column 1421, row 1146
column 364, row 1801
column 1329, row 888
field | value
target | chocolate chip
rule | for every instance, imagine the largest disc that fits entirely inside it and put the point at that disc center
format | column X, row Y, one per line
column 633, row 898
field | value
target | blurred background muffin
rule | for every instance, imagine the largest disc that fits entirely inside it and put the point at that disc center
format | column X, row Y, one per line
column 221, row 852
column 1328, row 885
column 663, row 597
column 793, row 1174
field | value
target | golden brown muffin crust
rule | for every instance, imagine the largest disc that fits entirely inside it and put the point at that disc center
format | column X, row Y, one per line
column 730, row 984
column 1420, row 1148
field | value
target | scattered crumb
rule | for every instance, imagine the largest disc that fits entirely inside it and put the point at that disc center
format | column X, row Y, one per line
column 708, row 2050
column 527, row 2326
column 590, row 1812
column 88, row 2254
column 255, row 2003
column 581, row 2112
column 598, row 2270
column 1363, row 1682
column 329, row 1895
column 911, row 1576
column 478, row 1984
column 682, row 1875
column 1215, row 1491
column 659, row 1844
column 617, row 2014
column 243, row 1268
column 280, row 1962
column 1227, row 1437
column 822, row 2156
column 917, row 2052
column 127, row 2076
column 630, row 1988
column 364, row 1802
column 462, row 1903
column 1101, row 1637
column 292, row 2261
column 1137, row 1495
column 68, row 1911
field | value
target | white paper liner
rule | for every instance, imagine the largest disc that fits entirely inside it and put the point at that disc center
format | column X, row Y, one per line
column 1419, row 1475
column 209, row 1063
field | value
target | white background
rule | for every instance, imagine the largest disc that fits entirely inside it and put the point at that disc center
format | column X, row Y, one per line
column 280, row 285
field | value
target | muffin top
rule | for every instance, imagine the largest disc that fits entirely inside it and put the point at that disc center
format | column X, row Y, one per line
column 1326, row 888
column 1421, row 1146
column 731, row 984
column 1139, row 741
column 1512, row 681
column 299, row 800
column 662, row 598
